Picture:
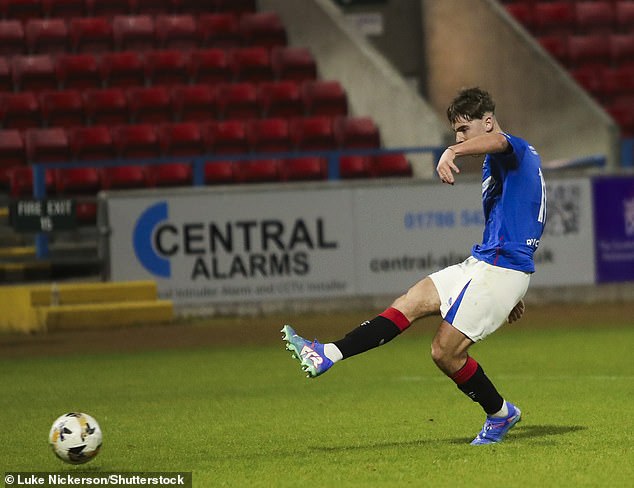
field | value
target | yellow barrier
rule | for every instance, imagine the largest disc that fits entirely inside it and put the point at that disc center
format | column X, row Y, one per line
column 81, row 305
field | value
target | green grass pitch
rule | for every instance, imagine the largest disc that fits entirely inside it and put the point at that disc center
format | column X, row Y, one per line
column 245, row 416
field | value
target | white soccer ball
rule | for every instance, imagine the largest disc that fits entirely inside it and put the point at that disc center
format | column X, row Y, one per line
column 75, row 438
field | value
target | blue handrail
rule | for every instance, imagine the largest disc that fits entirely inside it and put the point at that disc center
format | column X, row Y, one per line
column 198, row 168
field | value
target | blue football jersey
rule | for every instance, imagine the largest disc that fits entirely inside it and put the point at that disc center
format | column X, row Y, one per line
column 514, row 203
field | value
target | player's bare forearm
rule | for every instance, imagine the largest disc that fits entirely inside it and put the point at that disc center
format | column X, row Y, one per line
column 491, row 143
column 484, row 144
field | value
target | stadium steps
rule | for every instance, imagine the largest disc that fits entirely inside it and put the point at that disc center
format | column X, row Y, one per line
column 63, row 306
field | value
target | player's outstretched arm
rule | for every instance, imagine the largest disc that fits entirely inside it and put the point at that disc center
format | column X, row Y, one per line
column 490, row 143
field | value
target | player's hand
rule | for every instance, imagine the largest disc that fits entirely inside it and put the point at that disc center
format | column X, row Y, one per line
column 517, row 312
column 446, row 166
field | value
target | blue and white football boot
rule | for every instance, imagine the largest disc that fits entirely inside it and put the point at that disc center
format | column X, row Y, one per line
column 310, row 355
column 496, row 428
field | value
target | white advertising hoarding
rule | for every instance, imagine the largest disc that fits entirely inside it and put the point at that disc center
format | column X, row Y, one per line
column 252, row 244
column 232, row 246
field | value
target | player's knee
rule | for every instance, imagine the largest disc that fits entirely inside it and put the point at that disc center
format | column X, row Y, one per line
column 439, row 355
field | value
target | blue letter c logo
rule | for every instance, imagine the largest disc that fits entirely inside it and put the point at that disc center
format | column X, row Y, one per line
column 142, row 240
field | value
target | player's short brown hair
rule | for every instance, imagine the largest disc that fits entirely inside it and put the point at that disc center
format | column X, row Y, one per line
column 470, row 104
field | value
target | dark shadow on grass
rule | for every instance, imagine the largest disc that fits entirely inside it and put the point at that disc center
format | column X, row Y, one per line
column 530, row 431
column 520, row 432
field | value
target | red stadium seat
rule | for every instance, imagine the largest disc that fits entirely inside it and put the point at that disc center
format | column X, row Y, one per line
column 269, row 135
column 594, row 16
column 12, row 39
column 618, row 81
column 6, row 79
column 304, row 168
column 251, row 64
column 355, row 167
column 21, row 181
column 35, row 73
column 91, row 143
column 181, row 139
column 133, row 32
column 194, row 102
column 46, row 36
column 136, row 141
column 550, row 17
column 166, row 67
column 257, row 171
column 91, row 34
column 20, row 110
column 123, row 69
column 120, row 177
column 131, row 141
column 225, row 137
column 280, row 99
column 169, row 174
column 587, row 49
column 625, row 15
column 46, row 145
column 238, row 101
column 219, row 30
column 293, row 63
column 262, row 29
column 323, row 97
column 621, row 48
column 591, row 78
column 357, row 132
column 64, row 108
column 77, row 181
column 12, row 150
column 391, row 164
column 219, row 172
column 313, row 133
column 210, row 66
column 149, row 104
column 78, row 71
column 21, row 9
column 176, row 32
column 65, row 9
column 108, row 106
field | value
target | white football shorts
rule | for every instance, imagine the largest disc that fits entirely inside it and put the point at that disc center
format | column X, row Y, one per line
column 477, row 297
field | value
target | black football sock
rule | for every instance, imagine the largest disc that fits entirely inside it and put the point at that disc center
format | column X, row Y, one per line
column 472, row 381
column 373, row 333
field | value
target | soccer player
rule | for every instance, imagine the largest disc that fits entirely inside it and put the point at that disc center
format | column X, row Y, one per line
column 475, row 297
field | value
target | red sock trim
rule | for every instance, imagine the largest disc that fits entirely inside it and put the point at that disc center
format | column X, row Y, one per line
column 465, row 373
column 397, row 317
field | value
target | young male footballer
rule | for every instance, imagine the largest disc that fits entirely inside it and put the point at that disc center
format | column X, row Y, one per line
column 475, row 297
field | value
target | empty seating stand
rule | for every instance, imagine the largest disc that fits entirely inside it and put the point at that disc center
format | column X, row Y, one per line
column 89, row 81
column 593, row 39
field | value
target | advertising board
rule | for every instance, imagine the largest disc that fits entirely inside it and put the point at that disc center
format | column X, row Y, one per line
column 285, row 242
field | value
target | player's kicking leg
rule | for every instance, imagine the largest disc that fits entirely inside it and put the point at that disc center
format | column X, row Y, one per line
column 316, row 358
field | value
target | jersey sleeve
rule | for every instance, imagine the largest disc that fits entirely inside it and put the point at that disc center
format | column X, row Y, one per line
column 511, row 158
